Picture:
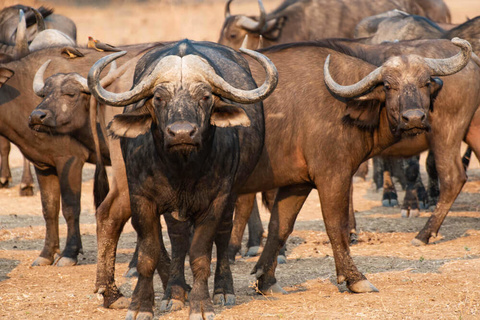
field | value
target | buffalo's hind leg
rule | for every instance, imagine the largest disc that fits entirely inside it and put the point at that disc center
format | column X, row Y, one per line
column 26, row 185
column 111, row 217
column 243, row 210
column 286, row 207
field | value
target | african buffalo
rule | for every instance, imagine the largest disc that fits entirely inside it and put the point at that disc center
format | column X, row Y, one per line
column 13, row 18
column 302, row 130
column 393, row 26
column 188, row 147
column 301, row 20
column 58, row 159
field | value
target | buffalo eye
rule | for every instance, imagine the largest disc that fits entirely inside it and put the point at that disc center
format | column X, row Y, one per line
column 70, row 94
column 206, row 97
column 428, row 83
column 232, row 36
column 387, row 86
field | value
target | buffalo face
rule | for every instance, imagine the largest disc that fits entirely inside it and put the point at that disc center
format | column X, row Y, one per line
column 64, row 105
column 180, row 100
column 406, row 85
column 409, row 91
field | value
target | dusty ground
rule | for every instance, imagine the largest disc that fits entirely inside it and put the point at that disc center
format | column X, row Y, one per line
column 439, row 281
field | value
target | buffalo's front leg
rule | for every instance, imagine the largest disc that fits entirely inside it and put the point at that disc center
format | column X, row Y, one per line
column 334, row 198
column 217, row 219
column 223, row 293
column 50, row 196
column 415, row 191
column 288, row 202
column 5, row 174
column 147, row 225
column 177, row 289
column 70, row 177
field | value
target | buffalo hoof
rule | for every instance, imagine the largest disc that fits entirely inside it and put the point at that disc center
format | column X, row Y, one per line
column 281, row 259
column 418, row 243
column 131, row 273
column 275, row 289
column 65, row 262
column 390, row 202
column 353, row 238
column 135, row 315
column 252, row 251
column 362, row 286
column 26, row 190
column 4, row 183
column 171, row 305
column 224, row 299
column 204, row 316
column 404, row 213
column 120, row 303
column 414, row 213
column 41, row 261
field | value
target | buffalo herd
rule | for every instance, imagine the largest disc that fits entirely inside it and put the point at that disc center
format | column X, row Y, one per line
column 287, row 101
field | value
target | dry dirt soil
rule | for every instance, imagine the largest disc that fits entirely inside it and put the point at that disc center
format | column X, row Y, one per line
column 438, row 281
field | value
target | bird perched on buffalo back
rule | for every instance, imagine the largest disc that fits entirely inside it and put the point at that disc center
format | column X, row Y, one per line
column 100, row 46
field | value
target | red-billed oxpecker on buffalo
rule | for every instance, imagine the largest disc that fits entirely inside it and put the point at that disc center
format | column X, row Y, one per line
column 301, row 20
column 189, row 145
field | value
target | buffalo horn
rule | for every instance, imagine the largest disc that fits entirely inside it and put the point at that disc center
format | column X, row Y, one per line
column 38, row 83
column 40, row 21
column 227, row 9
column 226, row 90
column 21, row 42
column 353, row 90
column 139, row 92
column 83, row 82
column 448, row 66
column 252, row 25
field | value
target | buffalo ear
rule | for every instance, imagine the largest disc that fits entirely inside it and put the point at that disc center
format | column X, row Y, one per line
column 435, row 86
column 273, row 28
column 71, row 53
column 228, row 115
column 5, row 74
column 131, row 124
column 378, row 93
column 364, row 111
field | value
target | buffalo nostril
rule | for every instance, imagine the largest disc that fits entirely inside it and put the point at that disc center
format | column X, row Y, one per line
column 38, row 116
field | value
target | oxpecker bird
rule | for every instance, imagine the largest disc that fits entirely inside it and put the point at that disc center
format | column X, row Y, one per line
column 100, row 46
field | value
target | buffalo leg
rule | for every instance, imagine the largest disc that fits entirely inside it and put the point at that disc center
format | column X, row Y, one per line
column 335, row 201
column 413, row 192
column 362, row 171
column 433, row 186
column 286, row 207
column 50, row 196
column 26, row 185
column 390, row 198
column 255, row 231
column 147, row 224
column 243, row 210
column 5, row 173
column 200, row 252
column 70, row 176
column 177, row 289
column 111, row 217
column 223, row 293
column 452, row 178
